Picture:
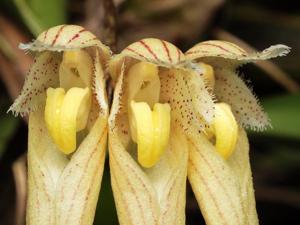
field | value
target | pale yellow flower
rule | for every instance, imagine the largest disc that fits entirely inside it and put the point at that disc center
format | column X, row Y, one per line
column 64, row 95
column 223, row 187
column 175, row 116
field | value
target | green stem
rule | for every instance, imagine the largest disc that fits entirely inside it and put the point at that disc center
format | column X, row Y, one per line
column 30, row 19
column 6, row 49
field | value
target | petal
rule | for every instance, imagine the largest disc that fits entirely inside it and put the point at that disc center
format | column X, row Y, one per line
column 151, row 196
column 116, row 107
column 223, row 189
column 99, row 81
column 220, row 50
column 240, row 164
column 65, row 37
column 191, row 104
column 154, row 50
column 214, row 183
column 230, row 88
column 134, row 195
column 159, row 52
column 42, row 74
column 203, row 101
column 45, row 165
column 79, row 185
column 63, row 190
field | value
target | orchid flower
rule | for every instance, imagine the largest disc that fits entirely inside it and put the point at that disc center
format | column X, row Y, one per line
column 175, row 116
column 220, row 174
column 64, row 96
column 147, row 151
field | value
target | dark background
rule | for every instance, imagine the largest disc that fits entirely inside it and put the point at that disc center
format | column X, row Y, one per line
column 275, row 154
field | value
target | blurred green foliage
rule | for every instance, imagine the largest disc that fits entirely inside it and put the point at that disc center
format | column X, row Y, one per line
column 50, row 13
column 38, row 15
column 284, row 112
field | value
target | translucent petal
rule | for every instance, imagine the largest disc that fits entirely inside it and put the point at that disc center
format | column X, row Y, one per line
column 207, row 73
column 230, row 88
column 59, row 190
column 154, row 50
column 240, row 164
column 42, row 74
column 152, row 196
column 79, row 185
column 223, row 188
column 214, row 183
column 220, row 51
column 192, row 106
column 65, row 37
column 99, row 82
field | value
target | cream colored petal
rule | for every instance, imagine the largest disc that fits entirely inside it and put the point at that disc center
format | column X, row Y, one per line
column 173, row 189
column 63, row 191
column 99, row 82
column 134, row 195
column 149, row 196
column 159, row 52
column 65, row 37
column 223, row 189
column 191, row 105
column 41, row 75
column 117, row 101
column 215, row 184
column 154, row 50
column 45, row 164
column 215, row 48
column 220, row 50
column 230, row 88
column 79, row 184
column 240, row 164
column 203, row 101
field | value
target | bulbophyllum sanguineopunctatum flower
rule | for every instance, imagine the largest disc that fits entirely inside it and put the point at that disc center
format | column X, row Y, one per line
column 147, row 151
column 222, row 180
column 172, row 113
column 64, row 95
